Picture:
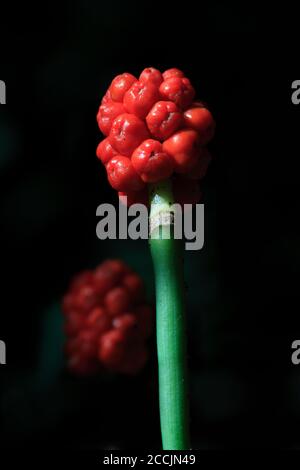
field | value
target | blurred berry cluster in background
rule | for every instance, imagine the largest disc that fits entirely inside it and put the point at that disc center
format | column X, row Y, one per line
column 242, row 288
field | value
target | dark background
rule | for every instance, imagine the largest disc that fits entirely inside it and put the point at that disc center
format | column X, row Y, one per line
column 243, row 288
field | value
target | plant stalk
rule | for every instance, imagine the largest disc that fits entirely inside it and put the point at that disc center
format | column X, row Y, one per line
column 167, row 256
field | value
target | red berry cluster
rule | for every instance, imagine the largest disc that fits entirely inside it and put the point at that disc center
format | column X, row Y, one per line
column 107, row 321
column 154, row 129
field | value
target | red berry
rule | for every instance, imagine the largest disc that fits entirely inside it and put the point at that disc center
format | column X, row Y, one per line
column 200, row 119
column 112, row 347
column 172, row 73
column 135, row 286
column 105, row 151
column 151, row 162
column 68, row 303
column 106, row 98
column 127, row 132
column 106, row 115
column 140, row 98
column 152, row 75
column 116, row 266
column 80, row 280
column 184, row 148
column 134, row 197
column 98, row 320
column 74, row 323
column 117, row 301
column 186, row 191
column 119, row 86
column 88, row 343
column 127, row 323
column 199, row 171
column 86, row 298
column 164, row 119
column 122, row 175
column 178, row 90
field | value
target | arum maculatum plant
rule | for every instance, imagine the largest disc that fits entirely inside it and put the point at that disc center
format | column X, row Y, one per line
column 154, row 153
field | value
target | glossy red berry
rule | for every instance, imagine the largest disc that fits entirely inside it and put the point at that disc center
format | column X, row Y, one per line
column 127, row 132
column 112, row 347
column 200, row 119
column 122, row 175
column 183, row 146
column 164, row 119
column 151, row 162
column 151, row 75
column 98, row 320
column 119, row 86
column 117, row 301
column 127, row 323
column 105, row 151
column 135, row 286
column 179, row 90
column 172, row 73
column 140, row 98
column 106, row 115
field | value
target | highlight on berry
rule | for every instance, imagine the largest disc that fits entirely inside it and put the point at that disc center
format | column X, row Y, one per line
column 154, row 129
column 107, row 321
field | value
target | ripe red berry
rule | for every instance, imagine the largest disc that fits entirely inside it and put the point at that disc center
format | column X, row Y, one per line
column 106, row 98
column 178, row 90
column 184, row 148
column 127, row 132
column 106, row 115
column 134, row 197
column 86, row 298
column 105, row 151
column 119, row 86
column 81, row 280
column 172, row 73
column 200, row 119
column 152, row 75
column 88, row 340
column 127, row 323
column 74, row 323
column 140, row 98
column 200, row 169
column 117, row 301
column 134, row 286
column 98, row 320
column 122, row 175
column 164, row 119
column 151, row 162
column 112, row 347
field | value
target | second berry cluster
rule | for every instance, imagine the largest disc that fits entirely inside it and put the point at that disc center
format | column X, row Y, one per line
column 154, row 130
column 107, row 321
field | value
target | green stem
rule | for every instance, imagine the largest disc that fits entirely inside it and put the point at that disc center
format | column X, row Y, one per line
column 170, row 313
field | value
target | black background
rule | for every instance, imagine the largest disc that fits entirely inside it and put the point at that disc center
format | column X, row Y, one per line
column 57, row 60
